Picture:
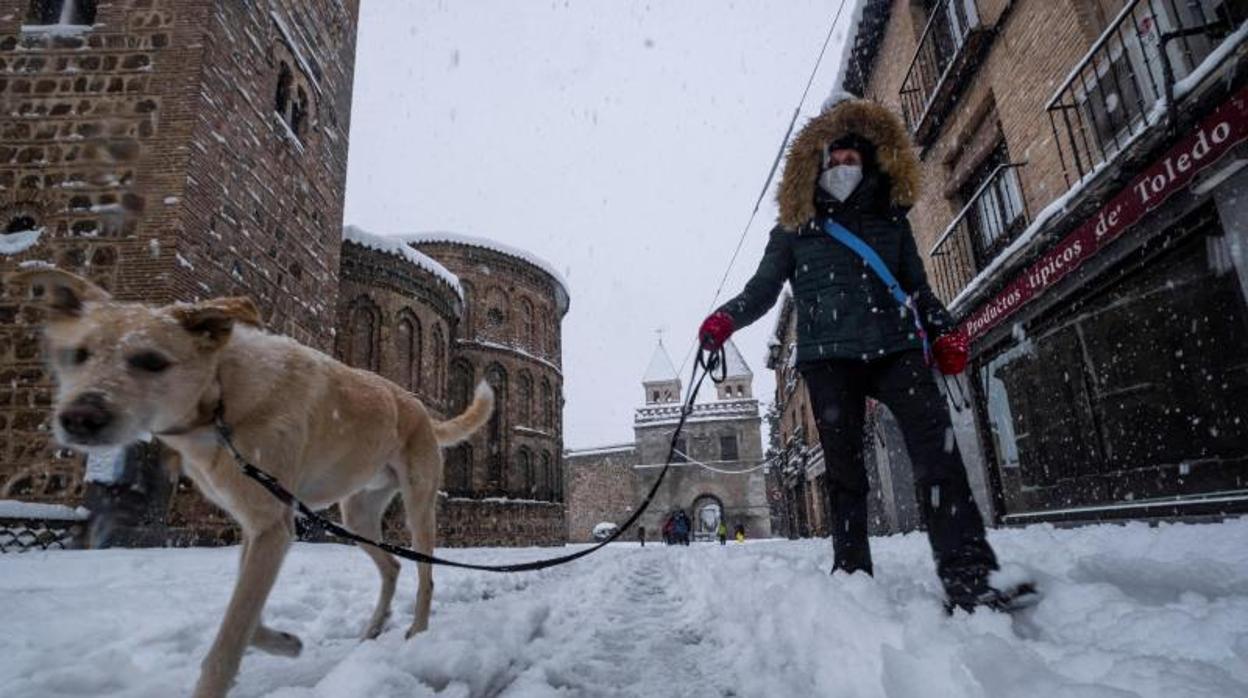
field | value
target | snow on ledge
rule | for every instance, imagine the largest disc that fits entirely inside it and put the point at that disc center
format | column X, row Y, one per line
column 14, row 509
column 57, row 29
column 16, row 243
column 394, row 246
column 562, row 294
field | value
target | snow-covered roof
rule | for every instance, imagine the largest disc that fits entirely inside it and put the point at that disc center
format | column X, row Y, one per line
column 562, row 295
column 396, row 247
column 737, row 368
column 660, row 369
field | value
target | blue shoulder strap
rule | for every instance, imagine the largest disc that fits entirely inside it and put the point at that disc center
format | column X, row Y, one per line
column 842, row 235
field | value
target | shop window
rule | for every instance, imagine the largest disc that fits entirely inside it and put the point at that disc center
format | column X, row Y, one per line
column 728, row 447
column 1137, row 393
column 65, row 12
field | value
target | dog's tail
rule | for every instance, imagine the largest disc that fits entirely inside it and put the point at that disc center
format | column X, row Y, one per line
column 457, row 429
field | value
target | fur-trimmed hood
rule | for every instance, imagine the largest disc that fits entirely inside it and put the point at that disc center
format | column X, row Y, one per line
column 894, row 155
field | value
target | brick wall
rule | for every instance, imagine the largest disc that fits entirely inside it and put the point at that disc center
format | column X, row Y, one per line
column 600, row 488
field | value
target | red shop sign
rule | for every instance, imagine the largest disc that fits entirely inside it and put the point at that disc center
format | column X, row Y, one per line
column 1223, row 129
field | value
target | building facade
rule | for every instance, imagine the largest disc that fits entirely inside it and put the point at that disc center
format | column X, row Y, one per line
column 169, row 151
column 717, row 473
column 1083, row 217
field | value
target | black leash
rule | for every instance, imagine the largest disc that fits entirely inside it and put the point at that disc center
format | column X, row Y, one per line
column 962, row 400
column 712, row 363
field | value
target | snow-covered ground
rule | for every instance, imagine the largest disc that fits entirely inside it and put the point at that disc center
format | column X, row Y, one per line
column 1130, row 611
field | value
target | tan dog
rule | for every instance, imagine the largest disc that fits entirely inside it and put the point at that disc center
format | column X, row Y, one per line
column 329, row 433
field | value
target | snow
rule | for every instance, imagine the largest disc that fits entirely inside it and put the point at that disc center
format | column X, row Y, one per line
column 1128, row 611
column 14, row 509
column 391, row 245
column 562, row 294
column 16, row 243
column 599, row 450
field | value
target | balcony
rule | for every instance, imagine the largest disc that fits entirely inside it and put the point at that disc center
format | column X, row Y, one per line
column 989, row 222
column 1125, row 82
column 948, row 52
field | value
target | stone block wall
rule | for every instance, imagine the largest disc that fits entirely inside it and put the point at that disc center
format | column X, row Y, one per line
column 600, row 487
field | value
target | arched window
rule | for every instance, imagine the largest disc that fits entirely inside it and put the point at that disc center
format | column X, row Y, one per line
column 408, row 339
column 459, row 471
column 299, row 113
column 551, row 478
column 528, row 330
column 363, row 327
column 496, row 438
column 439, row 363
column 523, row 477
column 524, row 399
column 495, row 322
column 547, row 420
column 281, row 100
column 708, row 511
column 460, row 386
column 467, row 322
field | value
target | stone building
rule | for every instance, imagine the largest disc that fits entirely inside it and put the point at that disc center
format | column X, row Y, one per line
column 173, row 151
column 717, row 473
column 169, row 151
column 1084, row 218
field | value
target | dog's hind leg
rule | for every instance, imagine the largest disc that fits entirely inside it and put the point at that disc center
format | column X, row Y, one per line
column 419, row 485
column 362, row 512
column 262, row 558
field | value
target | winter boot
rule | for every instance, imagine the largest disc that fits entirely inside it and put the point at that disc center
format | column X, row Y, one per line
column 850, row 548
column 964, row 560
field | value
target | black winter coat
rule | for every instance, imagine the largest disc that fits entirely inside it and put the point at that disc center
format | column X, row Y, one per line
column 843, row 309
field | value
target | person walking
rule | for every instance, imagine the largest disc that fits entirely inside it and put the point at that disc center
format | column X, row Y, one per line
column 740, row 533
column 641, row 535
column 722, row 532
column 681, row 529
column 852, row 169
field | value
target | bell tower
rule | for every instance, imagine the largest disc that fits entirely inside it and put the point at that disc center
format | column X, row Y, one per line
column 661, row 383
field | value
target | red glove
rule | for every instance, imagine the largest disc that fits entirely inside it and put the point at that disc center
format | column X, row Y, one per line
column 951, row 351
column 715, row 330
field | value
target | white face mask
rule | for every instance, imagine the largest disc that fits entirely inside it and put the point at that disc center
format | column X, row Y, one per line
column 841, row 181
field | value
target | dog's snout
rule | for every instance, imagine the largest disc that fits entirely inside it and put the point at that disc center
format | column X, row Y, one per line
column 86, row 416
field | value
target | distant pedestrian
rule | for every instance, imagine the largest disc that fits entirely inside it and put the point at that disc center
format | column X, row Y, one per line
column 669, row 530
column 740, row 534
column 722, row 532
column 681, row 528
column 641, row 535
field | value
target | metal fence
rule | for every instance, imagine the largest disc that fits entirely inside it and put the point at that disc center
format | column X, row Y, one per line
column 18, row 535
column 1123, row 84
column 989, row 222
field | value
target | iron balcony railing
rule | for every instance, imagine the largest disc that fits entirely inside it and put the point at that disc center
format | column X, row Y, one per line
column 947, row 50
column 989, row 222
column 1126, row 80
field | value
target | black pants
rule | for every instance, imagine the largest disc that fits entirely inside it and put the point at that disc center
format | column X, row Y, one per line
column 904, row 383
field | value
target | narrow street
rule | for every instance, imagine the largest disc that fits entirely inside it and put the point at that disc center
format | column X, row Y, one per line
column 1128, row 611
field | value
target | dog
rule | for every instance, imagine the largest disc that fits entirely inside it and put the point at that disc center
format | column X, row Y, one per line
column 327, row 432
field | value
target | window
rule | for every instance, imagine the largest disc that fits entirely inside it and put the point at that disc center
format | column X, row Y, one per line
column 527, row 326
column 362, row 336
column 496, row 439
column 459, row 470
column 439, row 362
column 408, row 341
column 291, row 97
column 460, row 387
column 997, row 214
column 524, row 396
column 281, row 101
column 548, row 406
column 525, row 485
column 67, row 12
column 20, row 224
column 728, row 447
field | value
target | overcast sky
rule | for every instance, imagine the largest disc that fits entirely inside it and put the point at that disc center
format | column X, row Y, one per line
column 624, row 142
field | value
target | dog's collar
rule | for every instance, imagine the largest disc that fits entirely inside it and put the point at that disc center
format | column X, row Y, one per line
column 204, row 418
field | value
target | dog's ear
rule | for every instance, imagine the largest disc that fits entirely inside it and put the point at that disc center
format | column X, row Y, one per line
column 63, row 294
column 212, row 321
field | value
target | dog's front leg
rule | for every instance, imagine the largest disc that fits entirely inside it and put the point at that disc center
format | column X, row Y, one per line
column 262, row 558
